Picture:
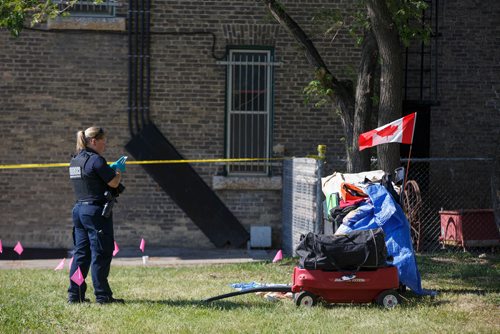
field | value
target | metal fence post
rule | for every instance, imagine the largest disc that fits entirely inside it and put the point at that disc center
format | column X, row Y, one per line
column 320, row 161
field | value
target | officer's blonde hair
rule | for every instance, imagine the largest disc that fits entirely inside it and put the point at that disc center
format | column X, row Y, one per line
column 83, row 137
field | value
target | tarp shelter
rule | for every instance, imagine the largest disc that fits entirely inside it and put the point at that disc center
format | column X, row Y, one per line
column 382, row 211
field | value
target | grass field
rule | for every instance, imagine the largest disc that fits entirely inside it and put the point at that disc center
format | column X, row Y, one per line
column 168, row 300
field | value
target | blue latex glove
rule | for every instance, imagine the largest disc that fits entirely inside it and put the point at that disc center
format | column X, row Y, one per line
column 119, row 164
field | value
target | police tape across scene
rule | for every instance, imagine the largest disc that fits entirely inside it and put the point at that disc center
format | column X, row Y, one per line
column 148, row 162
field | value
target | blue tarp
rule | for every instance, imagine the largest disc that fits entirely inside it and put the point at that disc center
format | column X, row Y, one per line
column 382, row 211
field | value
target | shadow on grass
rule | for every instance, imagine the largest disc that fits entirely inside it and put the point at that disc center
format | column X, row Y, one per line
column 466, row 269
column 478, row 292
column 227, row 305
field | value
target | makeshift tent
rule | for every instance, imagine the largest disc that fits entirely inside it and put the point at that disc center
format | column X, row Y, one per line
column 383, row 211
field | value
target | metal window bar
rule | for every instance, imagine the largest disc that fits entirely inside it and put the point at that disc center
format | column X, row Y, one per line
column 420, row 83
column 249, row 104
column 107, row 8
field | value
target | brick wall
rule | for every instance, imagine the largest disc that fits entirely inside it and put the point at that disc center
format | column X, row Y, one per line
column 55, row 83
column 467, row 123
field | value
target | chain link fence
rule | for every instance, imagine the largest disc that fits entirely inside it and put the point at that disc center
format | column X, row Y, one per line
column 449, row 203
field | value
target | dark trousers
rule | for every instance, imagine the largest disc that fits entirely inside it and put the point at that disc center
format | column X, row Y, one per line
column 94, row 244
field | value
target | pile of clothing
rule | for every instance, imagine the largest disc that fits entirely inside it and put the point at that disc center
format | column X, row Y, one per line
column 371, row 200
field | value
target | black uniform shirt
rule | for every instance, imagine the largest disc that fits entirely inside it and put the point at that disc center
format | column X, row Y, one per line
column 95, row 183
column 98, row 165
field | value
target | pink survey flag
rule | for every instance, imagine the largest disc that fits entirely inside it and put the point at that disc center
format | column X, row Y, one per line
column 1, row 248
column 78, row 277
column 60, row 266
column 117, row 249
column 278, row 256
column 399, row 131
column 70, row 263
column 142, row 245
column 19, row 248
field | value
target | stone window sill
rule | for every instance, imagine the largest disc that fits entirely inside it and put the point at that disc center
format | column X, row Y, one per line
column 246, row 183
column 87, row 23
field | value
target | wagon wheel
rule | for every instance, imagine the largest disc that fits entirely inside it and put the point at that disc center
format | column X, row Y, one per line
column 305, row 299
column 412, row 203
column 388, row 299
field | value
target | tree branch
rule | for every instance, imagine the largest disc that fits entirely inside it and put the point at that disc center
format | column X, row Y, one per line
column 324, row 75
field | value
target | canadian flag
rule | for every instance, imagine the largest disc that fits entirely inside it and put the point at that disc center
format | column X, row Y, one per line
column 399, row 131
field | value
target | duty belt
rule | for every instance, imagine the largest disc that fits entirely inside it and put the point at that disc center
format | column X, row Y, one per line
column 90, row 202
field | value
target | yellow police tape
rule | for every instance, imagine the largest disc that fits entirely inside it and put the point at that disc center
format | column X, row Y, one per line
column 146, row 162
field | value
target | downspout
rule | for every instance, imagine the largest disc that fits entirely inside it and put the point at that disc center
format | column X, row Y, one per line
column 136, row 46
column 130, row 74
column 147, row 58
column 141, row 64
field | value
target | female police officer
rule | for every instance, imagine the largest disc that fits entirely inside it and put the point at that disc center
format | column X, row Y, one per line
column 93, row 234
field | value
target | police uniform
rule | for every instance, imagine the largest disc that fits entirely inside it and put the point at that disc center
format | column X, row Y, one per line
column 93, row 233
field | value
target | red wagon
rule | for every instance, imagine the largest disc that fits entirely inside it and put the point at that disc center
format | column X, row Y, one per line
column 378, row 285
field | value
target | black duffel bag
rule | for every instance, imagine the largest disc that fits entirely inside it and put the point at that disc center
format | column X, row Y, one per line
column 347, row 252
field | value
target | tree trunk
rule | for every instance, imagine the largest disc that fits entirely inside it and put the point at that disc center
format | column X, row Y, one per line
column 391, row 77
column 363, row 105
column 353, row 119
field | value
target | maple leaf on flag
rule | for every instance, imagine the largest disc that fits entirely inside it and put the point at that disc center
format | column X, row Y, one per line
column 387, row 131
column 398, row 131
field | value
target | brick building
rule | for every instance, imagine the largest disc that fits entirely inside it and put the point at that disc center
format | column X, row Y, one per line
column 74, row 72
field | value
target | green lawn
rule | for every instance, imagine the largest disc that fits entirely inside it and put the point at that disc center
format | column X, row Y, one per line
column 167, row 300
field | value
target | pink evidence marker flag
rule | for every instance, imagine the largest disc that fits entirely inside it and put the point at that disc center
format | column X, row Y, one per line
column 60, row 266
column 278, row 256
column 142, row 245
column 117, row 249
column 19, row 248
column 70, row 263
column 1, row 248
column 78, row 277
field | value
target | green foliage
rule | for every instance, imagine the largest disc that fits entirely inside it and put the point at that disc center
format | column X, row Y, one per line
column 15, row 14
column 328, row 22
column 360, row 24
column 316, row 93
column 12, row 14
column 407, row 16
column 320, row 90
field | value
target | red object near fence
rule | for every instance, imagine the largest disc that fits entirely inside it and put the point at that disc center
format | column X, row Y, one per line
column 469, row 228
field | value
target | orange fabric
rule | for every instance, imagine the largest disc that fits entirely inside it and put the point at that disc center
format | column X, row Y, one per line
column 350, row 192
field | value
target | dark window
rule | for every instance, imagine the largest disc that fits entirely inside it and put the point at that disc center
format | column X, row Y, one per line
column 249, row 109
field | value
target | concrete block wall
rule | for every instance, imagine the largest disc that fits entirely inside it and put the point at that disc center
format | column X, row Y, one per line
column 300, row 191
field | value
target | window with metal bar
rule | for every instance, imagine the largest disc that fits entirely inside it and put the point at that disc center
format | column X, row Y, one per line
column 249, row 106
column 106, row 8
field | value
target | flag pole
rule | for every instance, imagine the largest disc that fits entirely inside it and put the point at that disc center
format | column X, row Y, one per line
column 407, row 168
column 409, row 155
